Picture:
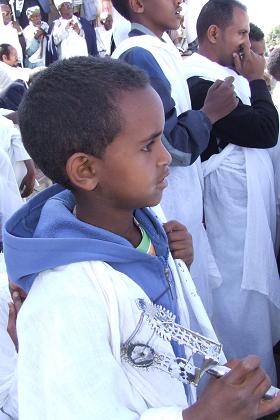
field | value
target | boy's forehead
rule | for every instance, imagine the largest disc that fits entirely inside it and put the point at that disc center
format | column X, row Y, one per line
column 143, row 106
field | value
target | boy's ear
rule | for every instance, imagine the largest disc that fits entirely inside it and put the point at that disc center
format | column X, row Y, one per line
column 80, row 168
column 136, row 6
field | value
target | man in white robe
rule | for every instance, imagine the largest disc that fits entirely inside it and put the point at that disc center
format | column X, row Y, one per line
column 35, row 35
column 239, row 194
column 72, row 36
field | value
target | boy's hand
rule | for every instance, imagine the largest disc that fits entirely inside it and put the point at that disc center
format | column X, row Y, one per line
column 237, row 395
column 220, row 100
column 180, row 241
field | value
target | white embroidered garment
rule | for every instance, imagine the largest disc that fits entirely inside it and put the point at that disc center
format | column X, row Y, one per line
column 239, row 204
column 182, row 199
column 69, row 43
column 70, row 330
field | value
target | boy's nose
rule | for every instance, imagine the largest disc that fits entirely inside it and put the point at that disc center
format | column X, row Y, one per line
column 165, row 157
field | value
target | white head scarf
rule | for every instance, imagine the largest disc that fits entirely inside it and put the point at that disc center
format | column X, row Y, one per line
column 58, row 3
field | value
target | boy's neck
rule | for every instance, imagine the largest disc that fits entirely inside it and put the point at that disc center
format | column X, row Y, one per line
column 141, row 28
column 144, row 27
column 115, row 220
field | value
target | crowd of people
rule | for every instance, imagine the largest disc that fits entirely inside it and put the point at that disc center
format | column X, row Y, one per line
column 164, row 208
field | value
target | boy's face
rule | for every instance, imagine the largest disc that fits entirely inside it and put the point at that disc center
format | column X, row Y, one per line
column 161, row 15
column 132, row 172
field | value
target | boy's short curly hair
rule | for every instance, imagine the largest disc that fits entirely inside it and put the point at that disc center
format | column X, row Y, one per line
column 273, row 64
column 73, row 106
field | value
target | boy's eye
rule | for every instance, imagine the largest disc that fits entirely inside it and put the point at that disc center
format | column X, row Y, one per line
column 148, row 147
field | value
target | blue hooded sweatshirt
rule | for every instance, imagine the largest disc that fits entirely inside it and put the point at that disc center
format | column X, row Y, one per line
column 45, row 234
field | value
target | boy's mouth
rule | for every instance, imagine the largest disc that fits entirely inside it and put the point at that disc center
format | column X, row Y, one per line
column 163, row 180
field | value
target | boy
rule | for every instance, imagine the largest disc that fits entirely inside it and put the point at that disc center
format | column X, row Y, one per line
column 186, row 131
column 84, row 252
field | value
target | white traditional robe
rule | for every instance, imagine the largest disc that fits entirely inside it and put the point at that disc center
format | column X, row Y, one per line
column 103, row 40
column 183, row 198
column 70, row 331
column 240, row 215
column 38, row 58
column 68, row 42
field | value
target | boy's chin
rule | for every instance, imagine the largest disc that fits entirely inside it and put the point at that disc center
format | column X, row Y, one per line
column 154, row 202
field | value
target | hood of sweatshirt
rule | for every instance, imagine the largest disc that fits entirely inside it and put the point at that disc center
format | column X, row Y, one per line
column 44, row 234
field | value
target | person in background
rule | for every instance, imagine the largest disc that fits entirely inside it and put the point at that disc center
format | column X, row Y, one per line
column 22, row 5
column 11, row 32
column 23, row 166
column 91, row 11
column 35, row 35
column 104, row 34
column 273, row 67
column 239, row 190
column 256, row 37
column 70, row 35
column 257, row 40
column 9, row 67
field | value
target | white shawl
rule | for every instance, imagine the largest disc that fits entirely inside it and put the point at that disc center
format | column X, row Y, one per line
column 259, row 270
